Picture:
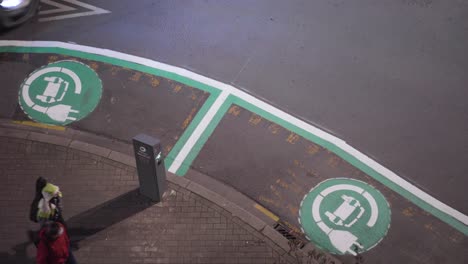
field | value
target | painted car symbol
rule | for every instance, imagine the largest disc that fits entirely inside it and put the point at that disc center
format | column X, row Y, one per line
column 54, row 87
column 342, row 214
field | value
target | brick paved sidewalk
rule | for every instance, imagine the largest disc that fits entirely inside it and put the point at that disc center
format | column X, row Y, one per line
column 111, row 222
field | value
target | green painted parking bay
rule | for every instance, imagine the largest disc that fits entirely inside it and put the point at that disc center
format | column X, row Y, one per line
column 278, row 168
column 249, row 148
column 105, row 99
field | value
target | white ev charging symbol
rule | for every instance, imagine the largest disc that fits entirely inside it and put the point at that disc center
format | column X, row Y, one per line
column 54, row 92
column 344, row 211
column 344, row 240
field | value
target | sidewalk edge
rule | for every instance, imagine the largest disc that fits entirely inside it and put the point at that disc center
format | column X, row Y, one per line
column 75, row 139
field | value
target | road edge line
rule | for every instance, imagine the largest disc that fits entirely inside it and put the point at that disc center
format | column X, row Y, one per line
column 446, row 210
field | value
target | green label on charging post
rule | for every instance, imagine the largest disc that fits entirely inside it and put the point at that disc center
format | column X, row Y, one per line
column 345, row 216
column 60, row 93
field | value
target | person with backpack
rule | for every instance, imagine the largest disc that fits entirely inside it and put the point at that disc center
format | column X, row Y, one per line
column 45, row 207
column 46, row 204
column 49, row 207
column 54, row 245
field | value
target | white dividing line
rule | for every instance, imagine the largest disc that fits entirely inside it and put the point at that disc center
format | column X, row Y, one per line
column 226, row 90
column 60, row 8
column 192, row 140
column 94, row 10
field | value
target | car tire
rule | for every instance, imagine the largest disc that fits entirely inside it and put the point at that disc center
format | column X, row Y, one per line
column 31, row 11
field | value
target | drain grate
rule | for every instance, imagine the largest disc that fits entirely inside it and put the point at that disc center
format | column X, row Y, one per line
column 297, row 239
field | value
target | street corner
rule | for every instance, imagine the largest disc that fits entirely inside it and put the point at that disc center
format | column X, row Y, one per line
column 112, row 98
column 338, row 206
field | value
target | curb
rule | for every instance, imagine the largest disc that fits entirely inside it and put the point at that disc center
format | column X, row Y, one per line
column 228, row 198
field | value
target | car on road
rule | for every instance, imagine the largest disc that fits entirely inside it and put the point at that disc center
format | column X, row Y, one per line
column 16, row 12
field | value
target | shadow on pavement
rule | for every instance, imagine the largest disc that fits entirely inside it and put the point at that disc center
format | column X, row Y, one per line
column 20, row 255
column 102, row 216
column 89, row 223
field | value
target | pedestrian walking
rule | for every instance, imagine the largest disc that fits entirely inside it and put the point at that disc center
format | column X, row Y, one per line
column 46, row 204
column 54, row 245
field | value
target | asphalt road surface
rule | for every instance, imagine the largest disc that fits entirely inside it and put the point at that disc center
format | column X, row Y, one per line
column 389, row 78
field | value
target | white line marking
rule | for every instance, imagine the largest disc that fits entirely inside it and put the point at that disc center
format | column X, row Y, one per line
column 75, row 78
column 60, row 8
column 95, row 11
column 26, row 98
column 41, row 72
column 339, row 187
column 227, row 89
column 374, row 209
column 192, row 140
column 316, row 208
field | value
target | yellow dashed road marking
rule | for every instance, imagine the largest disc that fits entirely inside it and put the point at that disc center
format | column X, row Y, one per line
column 154, row 81
column 52, row 59
column 298, row 164
column 274, row 128
column 333, row 161
column 234, row 110
column 276, row 192
column 292, row 138
column 313, row 149
column 94, row 66
column 269, row 201
column 114, row 70
column 136, row 77
column 282, row 184
column 177, row 88
column 189, row 118
column 255, row 119
column 409, row 212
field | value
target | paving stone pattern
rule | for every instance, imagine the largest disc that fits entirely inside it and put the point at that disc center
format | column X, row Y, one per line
column 110, row 222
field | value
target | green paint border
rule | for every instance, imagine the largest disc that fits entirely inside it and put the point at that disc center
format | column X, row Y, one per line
column 204, row 136
column 220, row 114
column 188, row 131
column 114, row 61
column 234, row 100
column 214, row 93
column 358, row 164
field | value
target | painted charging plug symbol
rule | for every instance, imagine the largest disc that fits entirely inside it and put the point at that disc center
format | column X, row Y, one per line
column 345, row 216
column 54, row 92
column 61, row 113
column 342, row 240
column 60, row 92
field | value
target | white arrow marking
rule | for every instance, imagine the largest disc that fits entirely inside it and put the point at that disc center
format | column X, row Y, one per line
column 61, row 7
